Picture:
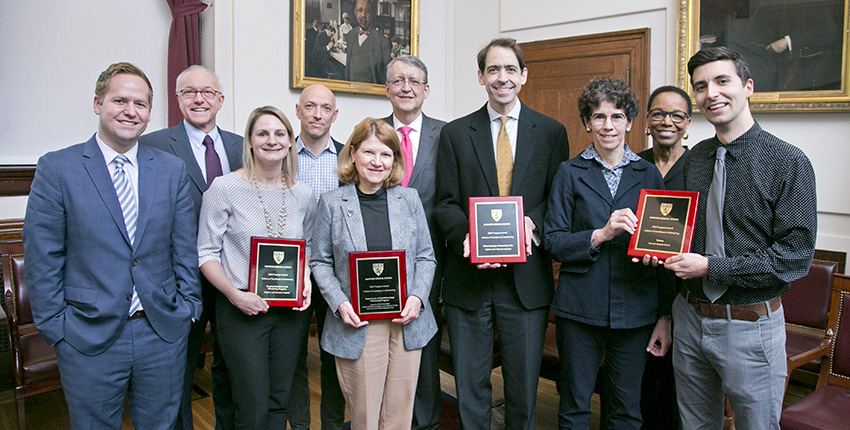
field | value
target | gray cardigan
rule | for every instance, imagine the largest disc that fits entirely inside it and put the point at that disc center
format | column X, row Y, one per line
column 338, row 229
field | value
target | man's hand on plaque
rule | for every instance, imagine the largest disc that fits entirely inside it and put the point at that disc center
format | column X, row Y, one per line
column 529, row 231
column 688, row 266
column 410, row 311
column 483, row 265
column 346, row 312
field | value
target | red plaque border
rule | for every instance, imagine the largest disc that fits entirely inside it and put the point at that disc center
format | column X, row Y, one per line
column 474, row 258
column 256, row 242
column 353, row 258
column 688, row 235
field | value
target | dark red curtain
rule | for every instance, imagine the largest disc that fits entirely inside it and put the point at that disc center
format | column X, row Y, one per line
column 184, row 47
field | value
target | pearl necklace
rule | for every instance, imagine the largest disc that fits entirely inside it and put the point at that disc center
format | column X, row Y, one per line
column 281, row 216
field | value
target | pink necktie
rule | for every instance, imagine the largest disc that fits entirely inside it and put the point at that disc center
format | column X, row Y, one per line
column 407, row 153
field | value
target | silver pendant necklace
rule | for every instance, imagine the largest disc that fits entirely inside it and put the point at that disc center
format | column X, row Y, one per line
column 281, row 216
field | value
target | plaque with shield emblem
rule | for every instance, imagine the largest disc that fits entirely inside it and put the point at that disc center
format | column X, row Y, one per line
column 378, row 283
column 665, row 223
column 277, row 270
column 496, row 230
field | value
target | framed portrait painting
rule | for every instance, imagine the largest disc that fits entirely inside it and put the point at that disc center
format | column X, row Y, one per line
column 346, row 44
column 797, row 49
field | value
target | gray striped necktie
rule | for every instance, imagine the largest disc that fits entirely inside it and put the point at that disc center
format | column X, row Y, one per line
column 127, row 200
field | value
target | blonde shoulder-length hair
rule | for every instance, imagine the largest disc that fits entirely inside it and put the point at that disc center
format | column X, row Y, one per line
column 289, row 167
column 370, row 127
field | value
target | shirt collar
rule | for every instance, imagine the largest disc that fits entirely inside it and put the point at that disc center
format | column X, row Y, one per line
column 590, row 154
column 739, row 145
column 329, row 146
column 196, row 136
column 514, row 113
column 416, row 125
column 109, row 154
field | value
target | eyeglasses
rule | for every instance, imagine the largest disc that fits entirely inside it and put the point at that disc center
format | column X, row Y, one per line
column 399, row 82
column 677, row 116
column 190, row 94
column 598, row 119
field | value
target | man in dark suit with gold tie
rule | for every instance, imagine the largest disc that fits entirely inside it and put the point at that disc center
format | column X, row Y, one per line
column 503, row 149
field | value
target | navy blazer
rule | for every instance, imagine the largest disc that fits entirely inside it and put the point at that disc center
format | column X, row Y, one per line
column 175, row 141
column 467, row 168
column 601, row 287
column 81, row 267
column 339, row 230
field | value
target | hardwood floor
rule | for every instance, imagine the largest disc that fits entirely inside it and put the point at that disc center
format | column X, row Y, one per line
column 49, row 411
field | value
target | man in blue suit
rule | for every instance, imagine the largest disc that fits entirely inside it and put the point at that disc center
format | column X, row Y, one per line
column 109, row 239
column 208, row 152
column 407, row 88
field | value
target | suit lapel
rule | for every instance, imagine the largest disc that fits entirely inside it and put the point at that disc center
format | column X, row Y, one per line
column 629, row 179
column 594, row 179
column 482, row 144
column 96, row 167
column 147, row 186
column 353, row 218
column 427, row 147
column 233, row 148
column 526, row 141
column 182, row 148
column 395, row 206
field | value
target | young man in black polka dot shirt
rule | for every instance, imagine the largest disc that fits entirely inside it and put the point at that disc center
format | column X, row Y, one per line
column 729, row 331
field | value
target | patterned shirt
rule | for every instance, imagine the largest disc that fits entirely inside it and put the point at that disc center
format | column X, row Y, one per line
column 612, row 174
column 231, row 213
column 769, row 216
column 319, row 172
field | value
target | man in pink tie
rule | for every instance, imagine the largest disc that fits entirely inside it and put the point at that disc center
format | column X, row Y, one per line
column 407, row 88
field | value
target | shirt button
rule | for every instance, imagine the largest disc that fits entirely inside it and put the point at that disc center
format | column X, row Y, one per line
column 133, row 263
column 129, row 297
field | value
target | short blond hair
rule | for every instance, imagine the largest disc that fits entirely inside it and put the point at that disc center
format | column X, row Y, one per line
column 380, row 129
column 290, row 163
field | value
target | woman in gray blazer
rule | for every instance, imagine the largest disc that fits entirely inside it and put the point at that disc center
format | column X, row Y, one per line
column 378, row 361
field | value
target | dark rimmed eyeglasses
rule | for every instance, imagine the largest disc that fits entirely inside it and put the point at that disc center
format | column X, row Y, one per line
column 677, row 116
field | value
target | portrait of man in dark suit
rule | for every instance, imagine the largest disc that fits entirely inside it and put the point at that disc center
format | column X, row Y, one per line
column 367, row 49
column 112, row 263
column 791, row 46
column 208, row 152
column 502, row 149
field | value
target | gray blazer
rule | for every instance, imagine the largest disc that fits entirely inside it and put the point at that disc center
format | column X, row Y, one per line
column 338, row 230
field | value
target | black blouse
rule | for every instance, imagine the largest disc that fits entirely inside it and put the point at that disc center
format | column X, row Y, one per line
column 376, row 220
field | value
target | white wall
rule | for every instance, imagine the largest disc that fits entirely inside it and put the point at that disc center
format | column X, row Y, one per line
column 52, row 50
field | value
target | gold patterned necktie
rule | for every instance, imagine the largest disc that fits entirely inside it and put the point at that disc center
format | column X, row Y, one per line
column 504, row 159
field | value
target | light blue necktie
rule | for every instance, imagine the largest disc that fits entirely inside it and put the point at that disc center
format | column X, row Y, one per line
column 128, row 207
column 714, row 242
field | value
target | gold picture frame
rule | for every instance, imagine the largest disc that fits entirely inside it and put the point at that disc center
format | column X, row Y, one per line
column 748, row 26
column 389, row 19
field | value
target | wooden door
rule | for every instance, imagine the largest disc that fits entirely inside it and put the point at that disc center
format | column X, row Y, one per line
column 559, row 69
